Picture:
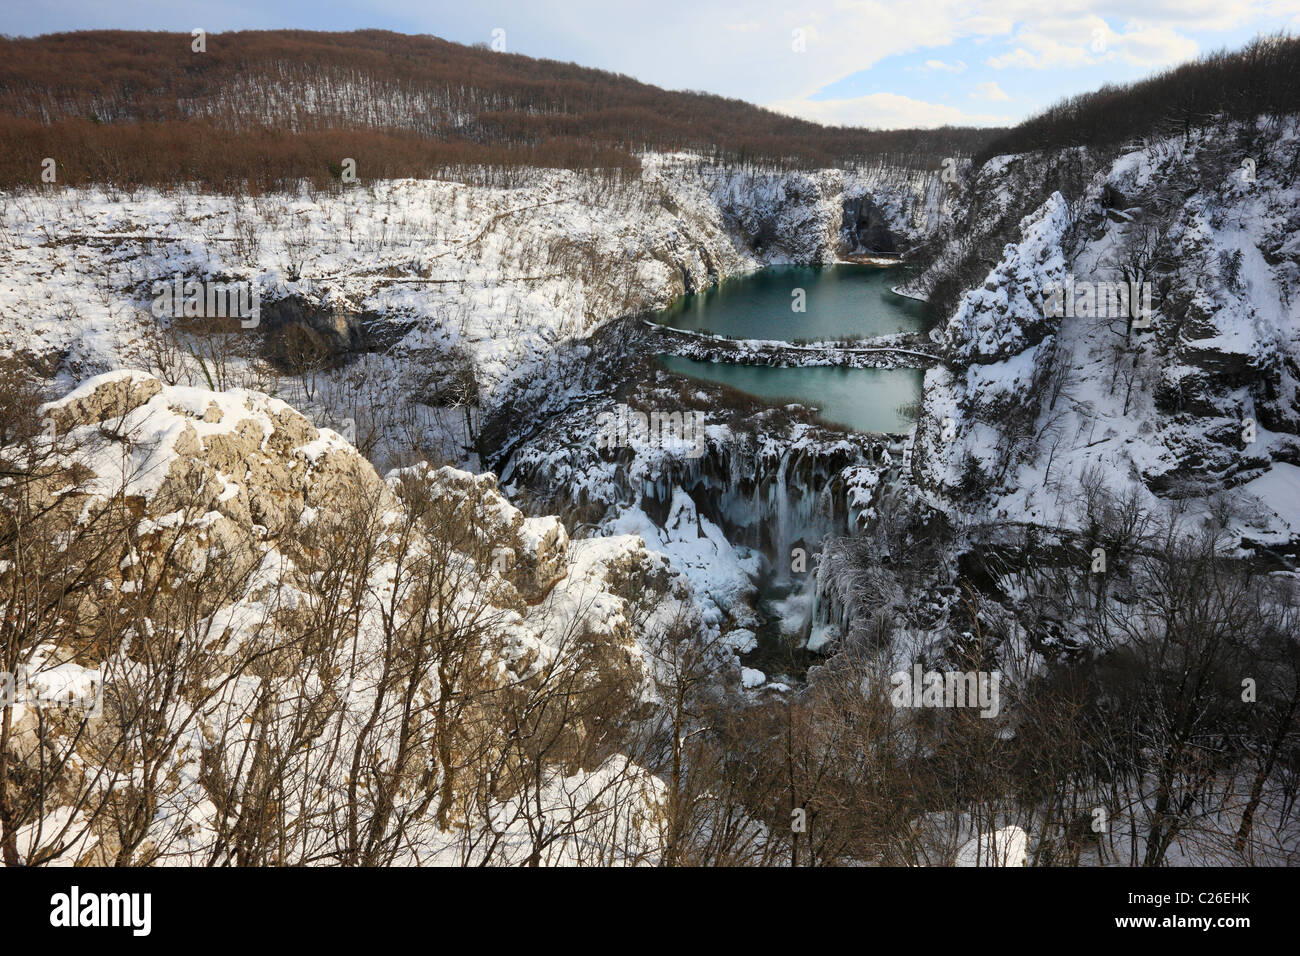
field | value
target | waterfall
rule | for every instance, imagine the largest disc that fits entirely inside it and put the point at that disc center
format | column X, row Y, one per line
column 767, row 494
column 782, row 543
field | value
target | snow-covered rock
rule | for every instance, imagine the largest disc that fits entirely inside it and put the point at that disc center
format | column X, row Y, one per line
column 239, row 511
column 1205, row 399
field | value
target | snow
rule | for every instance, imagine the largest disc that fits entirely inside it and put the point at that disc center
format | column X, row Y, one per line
column 720, row 575
column 1006, row 846
column 742, row 640
column 1233, row 358
column 44, row 683
column 1278, row 490
column 503, row 275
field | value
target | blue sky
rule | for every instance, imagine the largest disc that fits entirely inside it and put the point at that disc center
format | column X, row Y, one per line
column 885, row 63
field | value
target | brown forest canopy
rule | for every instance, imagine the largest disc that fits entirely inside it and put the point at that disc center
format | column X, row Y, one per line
column 268, row 108
column 1261, row 80
column 271, row 107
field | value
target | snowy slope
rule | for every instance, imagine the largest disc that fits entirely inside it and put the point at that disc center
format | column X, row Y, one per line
column 1204, row 400
column 236, row 493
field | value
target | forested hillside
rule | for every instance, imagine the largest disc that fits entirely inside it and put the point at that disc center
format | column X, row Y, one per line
column 270, row 108
column 1263, row 79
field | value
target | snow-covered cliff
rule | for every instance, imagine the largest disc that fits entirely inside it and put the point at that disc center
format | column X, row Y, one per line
column 439, row 286
column 1195, row 399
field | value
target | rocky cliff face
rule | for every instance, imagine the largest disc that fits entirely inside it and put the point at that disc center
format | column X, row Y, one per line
column 1199, row 398
column 822, row 216
column 243, row 558
column 450, row 292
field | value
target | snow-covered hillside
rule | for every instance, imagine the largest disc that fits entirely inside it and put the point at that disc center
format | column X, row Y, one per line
column 427, row 278
column 1202, row 401
column 264, row 593
column 452, row 654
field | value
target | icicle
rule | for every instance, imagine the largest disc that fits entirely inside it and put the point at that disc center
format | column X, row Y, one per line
column 781, row 502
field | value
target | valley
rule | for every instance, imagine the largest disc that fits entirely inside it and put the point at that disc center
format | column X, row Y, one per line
column 579, row 501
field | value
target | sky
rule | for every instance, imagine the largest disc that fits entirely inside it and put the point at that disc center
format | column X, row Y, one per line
column 877, row 63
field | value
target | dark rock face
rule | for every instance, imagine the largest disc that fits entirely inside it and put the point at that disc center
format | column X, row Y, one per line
column 296, row 331
column 763, row 238
column 1277, row 399
column 1216, row 459
column 1187, row 393
column 1112, row 198
column 1207, row 396
column 685, row 258
column 340, row 329
column 863, row 228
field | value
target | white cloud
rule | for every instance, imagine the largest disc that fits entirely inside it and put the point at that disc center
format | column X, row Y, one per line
column 989, row 91
column 1202, row 15
column 1155, row 46
column 745, row 50
column 1089, row 40
column 987, row 26
column 885, row 110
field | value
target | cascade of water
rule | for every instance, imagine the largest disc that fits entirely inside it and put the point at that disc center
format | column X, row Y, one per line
column 780, row 496
column 815, row 625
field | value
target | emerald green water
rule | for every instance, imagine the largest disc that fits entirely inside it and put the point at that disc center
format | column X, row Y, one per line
column 840, row 302
column 863, row 399
column 843, row 301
